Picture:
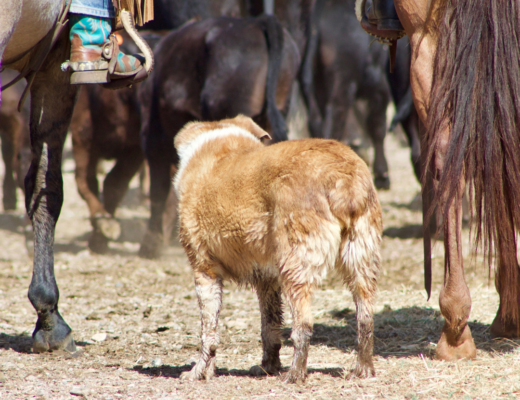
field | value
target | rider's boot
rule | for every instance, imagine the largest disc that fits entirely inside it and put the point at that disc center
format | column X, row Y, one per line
column 379, row 18
column 95, row 55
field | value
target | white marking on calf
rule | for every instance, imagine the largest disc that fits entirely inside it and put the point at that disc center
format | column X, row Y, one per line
column 187, row 151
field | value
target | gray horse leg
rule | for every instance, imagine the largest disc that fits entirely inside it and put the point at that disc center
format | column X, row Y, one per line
column 52, row 103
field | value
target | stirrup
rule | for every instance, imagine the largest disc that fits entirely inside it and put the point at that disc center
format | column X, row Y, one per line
column 103, row 71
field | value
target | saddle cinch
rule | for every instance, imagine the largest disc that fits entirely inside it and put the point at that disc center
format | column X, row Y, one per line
column 128, row 13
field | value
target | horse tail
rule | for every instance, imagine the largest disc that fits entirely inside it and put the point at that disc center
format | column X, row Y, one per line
column 273, row 32
column 476, row 92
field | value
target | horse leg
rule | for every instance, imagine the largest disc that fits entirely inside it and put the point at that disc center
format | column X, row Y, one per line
column 411, row 128
column 455, row 301
column 52, row 103
column 507, row 321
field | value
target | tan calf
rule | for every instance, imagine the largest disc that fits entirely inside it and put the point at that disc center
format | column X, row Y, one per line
column 277, row 218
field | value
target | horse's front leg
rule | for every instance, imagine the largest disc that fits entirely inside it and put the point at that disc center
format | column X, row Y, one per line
column 456, row 341
column 52, row 103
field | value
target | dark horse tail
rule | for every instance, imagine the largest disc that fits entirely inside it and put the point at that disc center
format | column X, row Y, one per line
column 273, row 32
column 476, row 93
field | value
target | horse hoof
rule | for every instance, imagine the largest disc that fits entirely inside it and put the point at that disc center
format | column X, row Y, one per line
column 152, row 244
column 109, row 227
column 98, row 243
column 501, row 329
column 382, row 183
column 59, row 338
column 464, row 348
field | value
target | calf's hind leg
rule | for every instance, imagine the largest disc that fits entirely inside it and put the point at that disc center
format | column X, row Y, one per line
column 299, row 298
column 269, row 297
column 361, row 262
column 209, row 293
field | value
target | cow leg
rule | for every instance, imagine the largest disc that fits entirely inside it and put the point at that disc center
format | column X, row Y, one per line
column 456, row 341
column 170, row 212
column 376, row 129
column 9, row 130
column 115, row 187
column 411, row 129
column 269, row 297
column 336, row 110
column 160, row 186
column 52, row 103
column 209, row 293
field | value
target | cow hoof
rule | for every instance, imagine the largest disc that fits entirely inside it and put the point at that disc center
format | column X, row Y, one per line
column 263, row 370
column 501, row 329
column 382, row 182
column 9, row 202
column 294, row 376
column 463, row 348
column 152, row 244
column 192, row 375
column 362, row 371
column 98, row 243
column 58, row 338
column 109, row 227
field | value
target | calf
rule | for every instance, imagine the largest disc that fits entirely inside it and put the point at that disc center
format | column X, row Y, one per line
column 277, row 218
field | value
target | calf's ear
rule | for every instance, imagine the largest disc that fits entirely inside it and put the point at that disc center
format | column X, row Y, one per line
column 249, row 125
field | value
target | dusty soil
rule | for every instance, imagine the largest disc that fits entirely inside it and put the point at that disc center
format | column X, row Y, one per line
column 149, row 315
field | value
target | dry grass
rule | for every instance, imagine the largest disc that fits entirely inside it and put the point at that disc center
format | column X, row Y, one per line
column 150, row 316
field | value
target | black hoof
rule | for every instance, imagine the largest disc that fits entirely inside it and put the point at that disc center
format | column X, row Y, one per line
column 382, row 183
column 52, row 333
column 152, row 245
column 9, row 203
column 98, row 243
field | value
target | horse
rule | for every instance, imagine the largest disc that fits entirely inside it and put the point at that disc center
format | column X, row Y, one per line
column 24, row 23
column 465, row 80
column 210, row 70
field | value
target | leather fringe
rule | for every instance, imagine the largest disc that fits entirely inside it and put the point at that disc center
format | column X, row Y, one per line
column 141, row 10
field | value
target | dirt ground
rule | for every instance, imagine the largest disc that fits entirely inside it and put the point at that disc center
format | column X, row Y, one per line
column 136, row 322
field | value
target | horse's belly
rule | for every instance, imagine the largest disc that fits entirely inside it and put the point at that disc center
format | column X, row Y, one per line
column 38, row 17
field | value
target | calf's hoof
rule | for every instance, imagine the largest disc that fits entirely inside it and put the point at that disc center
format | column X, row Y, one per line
column 451, row 349
column 382, row 182
column 59, row 337
column 152, row 245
